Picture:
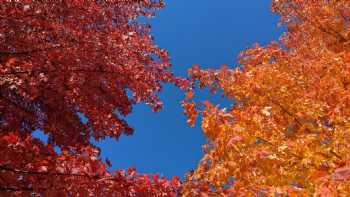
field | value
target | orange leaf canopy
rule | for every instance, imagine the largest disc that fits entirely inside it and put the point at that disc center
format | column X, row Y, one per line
column 288, row 132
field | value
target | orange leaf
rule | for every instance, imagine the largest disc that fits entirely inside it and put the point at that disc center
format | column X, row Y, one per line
column 189, row 95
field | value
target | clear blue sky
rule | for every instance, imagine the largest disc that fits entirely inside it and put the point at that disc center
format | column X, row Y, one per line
column 204, row 32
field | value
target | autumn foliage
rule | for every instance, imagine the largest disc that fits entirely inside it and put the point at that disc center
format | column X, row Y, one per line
column 287, row 132
column 61, row 60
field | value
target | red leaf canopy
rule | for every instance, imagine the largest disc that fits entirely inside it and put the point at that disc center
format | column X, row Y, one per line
column 62, row 58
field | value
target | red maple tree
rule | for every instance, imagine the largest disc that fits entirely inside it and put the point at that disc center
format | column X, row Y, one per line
column 59, row 59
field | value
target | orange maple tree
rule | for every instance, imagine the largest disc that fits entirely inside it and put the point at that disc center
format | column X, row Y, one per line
column 59, row 59
column 287, row 132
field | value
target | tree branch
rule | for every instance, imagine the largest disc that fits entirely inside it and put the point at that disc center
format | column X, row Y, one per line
column 5, row 168
column 16, row 189
column 29, row 72
column 19, row 53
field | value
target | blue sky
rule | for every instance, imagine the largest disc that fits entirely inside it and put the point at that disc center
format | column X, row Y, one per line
column 204, row 32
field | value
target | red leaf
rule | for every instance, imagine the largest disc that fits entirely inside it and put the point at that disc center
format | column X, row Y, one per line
column 342, row 173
